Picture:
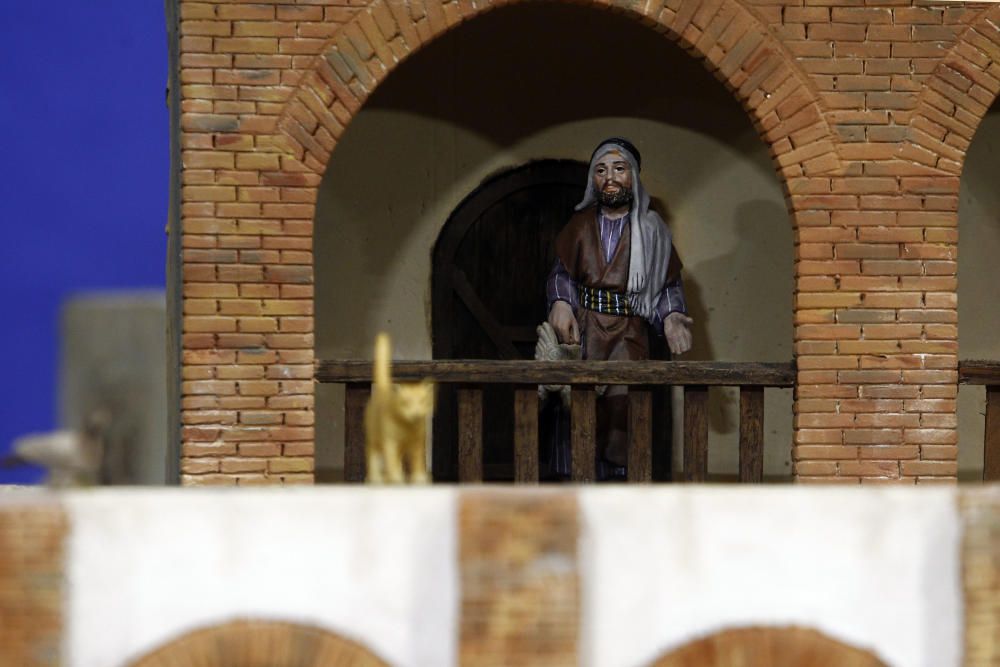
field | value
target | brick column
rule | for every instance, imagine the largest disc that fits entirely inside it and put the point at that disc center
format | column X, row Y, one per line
column 32, row 547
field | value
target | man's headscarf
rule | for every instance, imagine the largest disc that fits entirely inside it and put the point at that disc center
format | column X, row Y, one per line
column 650, row 238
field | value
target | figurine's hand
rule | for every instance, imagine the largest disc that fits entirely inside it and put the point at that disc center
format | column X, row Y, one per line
column 677, row 329
column 564, row 322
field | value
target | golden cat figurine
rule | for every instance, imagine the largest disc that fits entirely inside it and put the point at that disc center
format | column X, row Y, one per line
column 396, row 423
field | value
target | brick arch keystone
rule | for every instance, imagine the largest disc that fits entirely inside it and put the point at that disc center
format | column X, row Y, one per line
column 249, row 643
column 734, row 45
column 956, row 97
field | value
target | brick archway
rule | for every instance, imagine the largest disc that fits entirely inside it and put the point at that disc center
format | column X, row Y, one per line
column 250, row 643
column 727, row 37
column 957, row 96
column 777, row 647
column 734, row 45
column 251, row 183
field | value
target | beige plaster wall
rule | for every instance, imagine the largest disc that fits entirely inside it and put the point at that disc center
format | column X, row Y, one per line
column 978, row 278
column 458, row 112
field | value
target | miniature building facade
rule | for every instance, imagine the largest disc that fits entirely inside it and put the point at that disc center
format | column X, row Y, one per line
column 867, row 112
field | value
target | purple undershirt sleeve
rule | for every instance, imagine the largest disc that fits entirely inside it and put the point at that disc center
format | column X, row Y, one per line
column 671, row 301
column 560, row 287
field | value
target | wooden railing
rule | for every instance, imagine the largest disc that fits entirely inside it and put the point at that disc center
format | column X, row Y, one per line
column 469, row 376
column 987, row 373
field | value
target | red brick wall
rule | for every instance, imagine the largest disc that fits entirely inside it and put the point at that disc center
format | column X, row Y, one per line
column 513, row 611
column 32, row 546
column 981, row 575
column 868, row 109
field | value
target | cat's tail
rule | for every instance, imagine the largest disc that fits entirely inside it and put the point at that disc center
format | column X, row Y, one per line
column 383, row 360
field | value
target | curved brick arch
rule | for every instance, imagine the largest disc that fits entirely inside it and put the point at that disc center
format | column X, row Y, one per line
column 956, row 97
column 735, row 46
column 783, row 647
column 249, row 643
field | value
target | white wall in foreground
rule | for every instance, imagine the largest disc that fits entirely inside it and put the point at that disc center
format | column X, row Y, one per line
column 376, row 566
column 660, row 566
column 876, row 569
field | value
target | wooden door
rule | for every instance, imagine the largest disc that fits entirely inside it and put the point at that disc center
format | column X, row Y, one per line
column 488, row 291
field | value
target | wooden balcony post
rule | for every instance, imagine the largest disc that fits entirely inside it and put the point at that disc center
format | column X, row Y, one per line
column 470, row 434
column 356, row 396
column 583, row 439
column 526, row 434
column 695, row 433
column 991, row 443
column 640, row 435
column 751, row 435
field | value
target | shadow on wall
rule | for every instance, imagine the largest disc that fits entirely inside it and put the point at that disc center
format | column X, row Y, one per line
column 741, row 302
column 601, row 65
column 751, row 282
column 978, row 250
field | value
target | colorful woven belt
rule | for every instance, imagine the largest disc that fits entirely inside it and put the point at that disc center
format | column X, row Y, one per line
column 603, row 301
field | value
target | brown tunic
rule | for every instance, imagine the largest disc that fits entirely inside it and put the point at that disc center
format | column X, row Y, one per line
column 604, row 337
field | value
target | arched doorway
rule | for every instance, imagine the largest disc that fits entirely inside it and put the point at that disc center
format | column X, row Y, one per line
column 768, row 647
column 413, row 153
column 487, row 291
column 260, row 644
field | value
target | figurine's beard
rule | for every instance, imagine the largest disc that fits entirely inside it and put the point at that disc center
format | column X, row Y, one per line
column 616, row 199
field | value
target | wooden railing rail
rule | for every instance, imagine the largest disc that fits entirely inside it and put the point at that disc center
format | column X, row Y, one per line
column 469, row 376
column 987, row 373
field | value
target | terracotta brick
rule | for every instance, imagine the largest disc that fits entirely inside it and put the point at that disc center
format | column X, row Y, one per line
column 892, row 267
column 245, row 12
column 259, row 449
column 815, row 468
column 828, row 299
column 867, row 251
column 873, row 436
column 889, row 452
column 891, row 361
column 263, row 28
column 242, row 465
column 869, row 468
column 868, row 347
column 209, row 193
column 208, row 480
column 939, row 452
column 818, row 436
column 824, row 452
column 248, row 45
column 290, row 465
column 893, row 300
column 201, row 449
column 927, row 436
column 824, row 420
column 831, row 331
column 199, row 466
column 943, row 468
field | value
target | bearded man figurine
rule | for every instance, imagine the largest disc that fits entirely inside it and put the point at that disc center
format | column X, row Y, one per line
column 616, row 276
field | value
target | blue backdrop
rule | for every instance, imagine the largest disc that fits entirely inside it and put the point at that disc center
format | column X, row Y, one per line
column 84, row 188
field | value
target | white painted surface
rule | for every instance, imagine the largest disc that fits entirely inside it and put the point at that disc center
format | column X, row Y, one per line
column 378, row 567
column 876, row 569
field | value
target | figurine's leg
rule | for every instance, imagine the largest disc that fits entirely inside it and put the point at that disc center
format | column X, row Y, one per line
column 393, row 463
column 374, row 463
column 417, row 462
